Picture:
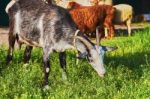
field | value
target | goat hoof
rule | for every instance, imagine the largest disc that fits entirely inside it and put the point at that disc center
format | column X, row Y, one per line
column 26, row 64
column 46, row 87
column 101, row 75
column 8, row 59
column 64, row 76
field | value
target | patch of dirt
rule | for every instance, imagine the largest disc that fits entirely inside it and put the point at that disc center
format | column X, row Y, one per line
column 4, row 35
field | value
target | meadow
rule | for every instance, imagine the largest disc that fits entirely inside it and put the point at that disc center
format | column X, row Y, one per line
column 128, row 73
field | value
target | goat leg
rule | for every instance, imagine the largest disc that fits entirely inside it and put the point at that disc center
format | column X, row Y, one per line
column 46, row 61
column 128, row 24
column 62, row 59
column 27, row 54
column 112, row 31
column 11, row 40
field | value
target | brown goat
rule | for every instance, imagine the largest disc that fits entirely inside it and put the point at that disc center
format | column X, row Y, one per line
column 88, row 18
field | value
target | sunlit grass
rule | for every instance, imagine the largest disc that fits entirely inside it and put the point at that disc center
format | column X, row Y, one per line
column 128, row 73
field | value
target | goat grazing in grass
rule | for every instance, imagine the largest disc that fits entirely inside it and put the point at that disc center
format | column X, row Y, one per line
column 51, row 28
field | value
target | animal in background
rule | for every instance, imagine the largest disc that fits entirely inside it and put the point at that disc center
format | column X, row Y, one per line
column 123, row 14
column 90, row 18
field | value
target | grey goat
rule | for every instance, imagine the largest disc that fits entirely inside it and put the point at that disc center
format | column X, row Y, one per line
column 51, row 28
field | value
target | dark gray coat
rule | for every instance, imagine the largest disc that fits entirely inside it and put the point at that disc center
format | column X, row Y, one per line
column 50, row 27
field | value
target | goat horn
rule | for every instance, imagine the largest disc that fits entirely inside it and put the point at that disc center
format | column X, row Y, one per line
column 97, row 36
column 84, row 41
column 10, row 4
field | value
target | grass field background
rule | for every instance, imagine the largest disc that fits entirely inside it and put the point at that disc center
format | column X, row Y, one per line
column 128, row 73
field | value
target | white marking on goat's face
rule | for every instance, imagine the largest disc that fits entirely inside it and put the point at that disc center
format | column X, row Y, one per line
column 96, row 61
column 9, row 5
column 17, row 22
column 47, row 70
column 100, row 51
column 40, row 27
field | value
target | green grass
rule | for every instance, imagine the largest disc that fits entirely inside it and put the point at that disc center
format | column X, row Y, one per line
column 128, row 73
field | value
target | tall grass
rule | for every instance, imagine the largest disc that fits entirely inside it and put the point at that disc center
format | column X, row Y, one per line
column 128, row 73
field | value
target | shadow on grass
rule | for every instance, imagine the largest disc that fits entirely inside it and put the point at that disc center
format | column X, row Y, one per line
column 133, row 62
column 124, row 32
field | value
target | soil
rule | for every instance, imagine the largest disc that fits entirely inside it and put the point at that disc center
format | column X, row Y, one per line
column 4, row 35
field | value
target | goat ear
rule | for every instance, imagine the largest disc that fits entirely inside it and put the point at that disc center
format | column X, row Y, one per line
column 107, row 48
